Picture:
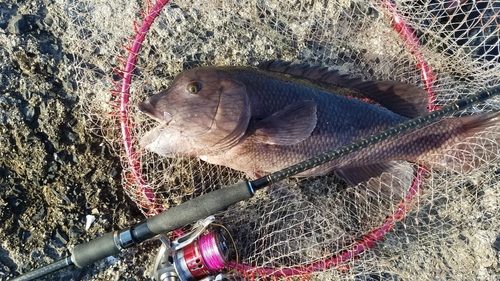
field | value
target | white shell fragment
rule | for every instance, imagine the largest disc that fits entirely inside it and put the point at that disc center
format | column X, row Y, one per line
column 89, row 219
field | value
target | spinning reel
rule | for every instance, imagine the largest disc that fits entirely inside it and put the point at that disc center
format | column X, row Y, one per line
column 202, row 254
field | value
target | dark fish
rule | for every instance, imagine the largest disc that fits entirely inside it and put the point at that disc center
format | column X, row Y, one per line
column 260, row 120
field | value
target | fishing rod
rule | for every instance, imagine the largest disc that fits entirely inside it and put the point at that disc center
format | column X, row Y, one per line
column 208, row 204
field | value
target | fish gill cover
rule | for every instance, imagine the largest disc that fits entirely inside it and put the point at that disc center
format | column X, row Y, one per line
column 448, row 228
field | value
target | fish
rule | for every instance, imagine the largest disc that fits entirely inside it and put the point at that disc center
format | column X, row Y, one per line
column 259, row 120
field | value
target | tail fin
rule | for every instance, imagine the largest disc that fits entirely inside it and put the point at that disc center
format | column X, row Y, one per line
column 476, row 143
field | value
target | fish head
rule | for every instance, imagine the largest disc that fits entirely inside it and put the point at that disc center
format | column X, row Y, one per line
column 206, row 106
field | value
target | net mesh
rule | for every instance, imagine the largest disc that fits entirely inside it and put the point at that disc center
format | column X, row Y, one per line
column 318, row 228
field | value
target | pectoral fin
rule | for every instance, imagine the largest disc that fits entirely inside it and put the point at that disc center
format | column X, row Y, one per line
column 389, row 180
column 289, row 126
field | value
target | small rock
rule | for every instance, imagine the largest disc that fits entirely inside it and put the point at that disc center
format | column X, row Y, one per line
column 60, row 238
column 51, row 252
column 7, row 102
column 32, row 137
column 15, row 204
column 48, row 178
column 21, row 24
column 25, row 237
column 68, row 86
column 29, row 113
column 51, row 70
column 49, row 146
column 21, row 226
column 92, row 175
column 52, row 168
column 75, row 159
column 52, row 48
column 61, row 157
column 43, row 108
column 27, row 94
column 3, row 117
column 111, row 260
column 496, row 244
column 114, row 172
column 17, row 25
column 70, row 136
column 48, row 21
column 40, row 214
column 75, row 232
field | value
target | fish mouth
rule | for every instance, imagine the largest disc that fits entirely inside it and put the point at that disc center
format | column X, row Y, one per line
column 161, row 116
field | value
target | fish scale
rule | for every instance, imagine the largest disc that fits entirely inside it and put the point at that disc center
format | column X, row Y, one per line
column 340, row 121
column 261, row 120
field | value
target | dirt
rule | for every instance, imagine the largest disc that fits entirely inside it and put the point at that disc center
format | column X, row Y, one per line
column 53, row 172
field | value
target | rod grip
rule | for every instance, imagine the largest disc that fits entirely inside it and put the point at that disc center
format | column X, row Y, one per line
column 94, row 250
column 171, row 219
column 200, row 207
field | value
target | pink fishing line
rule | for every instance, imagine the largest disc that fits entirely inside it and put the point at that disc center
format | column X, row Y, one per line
column 211, row 253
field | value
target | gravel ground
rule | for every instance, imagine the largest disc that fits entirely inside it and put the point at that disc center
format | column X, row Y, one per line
column 53, row 172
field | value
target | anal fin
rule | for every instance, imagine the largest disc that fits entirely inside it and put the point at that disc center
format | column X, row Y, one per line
column 388, row 180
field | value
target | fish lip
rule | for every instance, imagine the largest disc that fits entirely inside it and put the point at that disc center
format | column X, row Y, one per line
column 148, row 109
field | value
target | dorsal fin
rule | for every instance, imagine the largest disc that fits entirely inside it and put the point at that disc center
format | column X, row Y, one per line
column 402, row 98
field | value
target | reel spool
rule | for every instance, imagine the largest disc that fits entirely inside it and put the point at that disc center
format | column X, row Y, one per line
column 197, row 255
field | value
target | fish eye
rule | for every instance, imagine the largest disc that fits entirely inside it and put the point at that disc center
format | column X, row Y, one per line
column 193, row 87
